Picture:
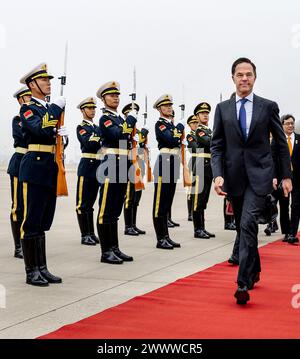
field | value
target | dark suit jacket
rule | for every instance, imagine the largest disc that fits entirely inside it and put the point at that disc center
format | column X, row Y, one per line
column 241, row 163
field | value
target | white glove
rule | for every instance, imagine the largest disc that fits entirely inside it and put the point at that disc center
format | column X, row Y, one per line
column 62, row 131
column 184, row 142
column 133, row 114
column 60, row 102
column 183, row 122
column 136, row 138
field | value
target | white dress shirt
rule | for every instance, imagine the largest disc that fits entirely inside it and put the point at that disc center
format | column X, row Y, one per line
column 248, row 108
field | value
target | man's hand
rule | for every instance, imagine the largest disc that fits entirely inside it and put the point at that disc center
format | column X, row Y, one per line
column 287, row 186
column 275, row 184
column 219, row 181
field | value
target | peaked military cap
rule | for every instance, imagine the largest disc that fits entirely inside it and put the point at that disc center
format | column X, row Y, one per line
column 128, row 108
column 23, row 91
column 192, row 119
column 202, row 107
column 109, row 88
column 163, row 100
column 39, row 71
column 90, row 102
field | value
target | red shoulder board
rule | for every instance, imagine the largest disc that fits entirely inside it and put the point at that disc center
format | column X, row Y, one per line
column 28, row 114
column 201, row 134
column 20, row 124
column 162, row 127
column 107, row 123
column 190, row 138
column 82, row 132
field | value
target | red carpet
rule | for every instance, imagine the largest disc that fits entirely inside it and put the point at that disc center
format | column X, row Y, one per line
column 202, row 306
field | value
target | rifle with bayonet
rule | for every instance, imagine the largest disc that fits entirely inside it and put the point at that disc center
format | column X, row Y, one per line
column 146, row 149
column 138, row 181
column 187, row 182
column 62, row 188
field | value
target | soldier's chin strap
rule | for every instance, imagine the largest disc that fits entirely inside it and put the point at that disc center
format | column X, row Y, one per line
column 40, row 89
column 90, row 118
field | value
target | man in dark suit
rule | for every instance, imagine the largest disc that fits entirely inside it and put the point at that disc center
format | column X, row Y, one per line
column 293, row 140
column 243, row 167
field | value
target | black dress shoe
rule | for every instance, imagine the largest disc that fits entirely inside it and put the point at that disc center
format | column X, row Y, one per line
column 233, row 260
column 255, row 279
column 49, row 276
column 18, row 253
column 88, row 241
column 293, row 240
column 129, row 231
column 122, row 255
column 268, row 231
column 174, row 223
column 164, row 244
column 174, row 244
column 190, row 218
column 140, row 231
column 170, row 224
column 286, row 238
column 211, row 235
column 230, row 226
column 111, row 258
column 34, row 277
column 242, row 295
column 95, row 238
column 199, row 233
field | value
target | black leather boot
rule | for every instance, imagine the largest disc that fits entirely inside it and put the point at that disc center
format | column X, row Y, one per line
column 33, row 274
column 198, row 226
column 90, row 217
column 140, row 231
column 128, row 219
column 211, row 235
column 86, row 239
column 167, row 236
column 171, row 223
column 15, row 227
column 107, row 254
column 159, row 226
column 41, row 247
column 115, row 243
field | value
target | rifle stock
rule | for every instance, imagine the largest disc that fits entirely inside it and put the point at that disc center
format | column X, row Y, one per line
column 62, row 188
column 187, row 181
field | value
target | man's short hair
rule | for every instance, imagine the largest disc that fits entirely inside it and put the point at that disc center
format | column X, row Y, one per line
column 286, row 117
column 240, row 61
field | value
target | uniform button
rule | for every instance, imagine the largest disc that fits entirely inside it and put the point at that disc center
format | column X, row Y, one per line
column 38, row 158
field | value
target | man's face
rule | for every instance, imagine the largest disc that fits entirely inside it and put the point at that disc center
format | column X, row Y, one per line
column 193, row 126
column 24, row 99
column 89, row 112
column 203, row 118
column 166, row 111
column 111, row 100
column 288, row 126
column 41, row 86
column 244, row 79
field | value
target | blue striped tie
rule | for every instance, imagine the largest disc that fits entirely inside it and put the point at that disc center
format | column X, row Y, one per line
column 243, row 118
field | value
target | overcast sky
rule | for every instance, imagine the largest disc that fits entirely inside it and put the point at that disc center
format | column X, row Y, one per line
column 189, row 44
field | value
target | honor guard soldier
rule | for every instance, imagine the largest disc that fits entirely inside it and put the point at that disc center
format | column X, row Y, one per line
column 192, row 145
column 171, row 223
column 16, row 216
column 203, row 135
column 133, row 197
column 38, row 173
column 166, row 171
column 87, row 184
column 116, row 143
